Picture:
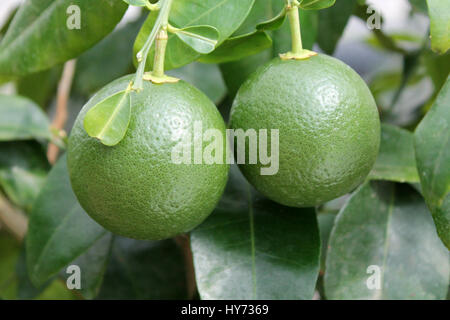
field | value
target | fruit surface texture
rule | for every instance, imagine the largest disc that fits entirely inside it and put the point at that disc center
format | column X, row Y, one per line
column 134, row 189
column 328, row 122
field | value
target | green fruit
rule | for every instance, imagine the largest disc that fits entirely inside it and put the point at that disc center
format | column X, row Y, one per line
column 329, row 128
column 134, row 189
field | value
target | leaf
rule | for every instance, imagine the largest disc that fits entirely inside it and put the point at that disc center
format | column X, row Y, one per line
column 273, row 24
column 205, row 77
column 109, row 119
column 396, row 160
column 419, row 5
column 22, row 119
column 23, row 171
column 239, row 47
column 439, row 13
column 316, row 4
column 9, row 253
column 93, row 265
column 432, row 145
column 386, row 227
column 332, row 23
column 202, row 39
column 150, row 270
column 252, row 248
column 137, row 3
column 110, row 59
column 59, row 229
column 225, row 15
column 326, row 223
column 41, row 26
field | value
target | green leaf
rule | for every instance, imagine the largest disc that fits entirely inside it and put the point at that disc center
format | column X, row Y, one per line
column 432, row 145
column 419, row 5
column 439, row 12
column 93, row 265
column 137, row 3
column 110, row 59
column 202, row 39
column 273, row 24
column 205, row 77
column 23, row 171
column 22, row 119
column 150, row 270
column 326, row 223
column 225, row 15
column 41, row 26
column 396, row 160
column 316, row 4
column 332, row 23
column 109, row 119
column 252, row 248
column 59, row 229
column 386, row 227
column 239, row 47
column 9, row 254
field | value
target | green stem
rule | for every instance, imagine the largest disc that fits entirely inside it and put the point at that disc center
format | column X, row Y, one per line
column 160, row 53
column 161, row 22
column 294, row 21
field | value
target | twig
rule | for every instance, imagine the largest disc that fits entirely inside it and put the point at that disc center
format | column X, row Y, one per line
column 184, row 242
column 60, row 119
column 14, row 220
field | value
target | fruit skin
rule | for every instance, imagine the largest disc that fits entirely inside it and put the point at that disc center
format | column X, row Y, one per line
column 134, row 189
column 329, row 128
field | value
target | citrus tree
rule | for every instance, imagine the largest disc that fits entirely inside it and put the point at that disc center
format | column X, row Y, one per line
column 115, row 179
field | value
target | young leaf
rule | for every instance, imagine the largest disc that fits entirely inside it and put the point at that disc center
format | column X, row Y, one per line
column 396, row 160
column 144, row 270
column 109, row 119
column 252, row 248
column 274, row 23
column 239, row 47
column 432, row 145
column 439, row 13
column 202, row 39
column 332, row 22
column 225, row 15
column 316, row 4
column 22, row 119
column 59, row 229
column 62, row 29
column 384, row 246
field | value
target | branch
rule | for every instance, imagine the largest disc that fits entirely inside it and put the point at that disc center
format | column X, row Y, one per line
column 14, row 220
column 185, row 244
column 60, row 118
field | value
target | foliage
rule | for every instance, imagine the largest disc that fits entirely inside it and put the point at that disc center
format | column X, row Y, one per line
column 250, row 247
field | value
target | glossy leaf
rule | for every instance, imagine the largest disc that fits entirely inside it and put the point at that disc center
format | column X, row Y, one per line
column 23, row 171
column 9, row 253
column 206, row 77
column 93, row 264
column 59, row 229
column 252, row 248
column 144, row 270
column 396, row 160
column 225, row 15
column 239, row 47
column 332, row 23
column 109, row 119
column 274, row 23
column 202, row 39
column 439, row 12
column 316, row 4
column 42, row 26
column 385, row 235
column 22, row 119
column 432, row 145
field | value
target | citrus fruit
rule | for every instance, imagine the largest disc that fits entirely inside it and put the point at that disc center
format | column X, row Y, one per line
column 135, row 189
column 329, row 128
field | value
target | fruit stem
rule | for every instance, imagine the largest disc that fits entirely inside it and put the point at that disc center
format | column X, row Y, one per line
column 160, row 53
column 294, row 22
column 161, row 23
